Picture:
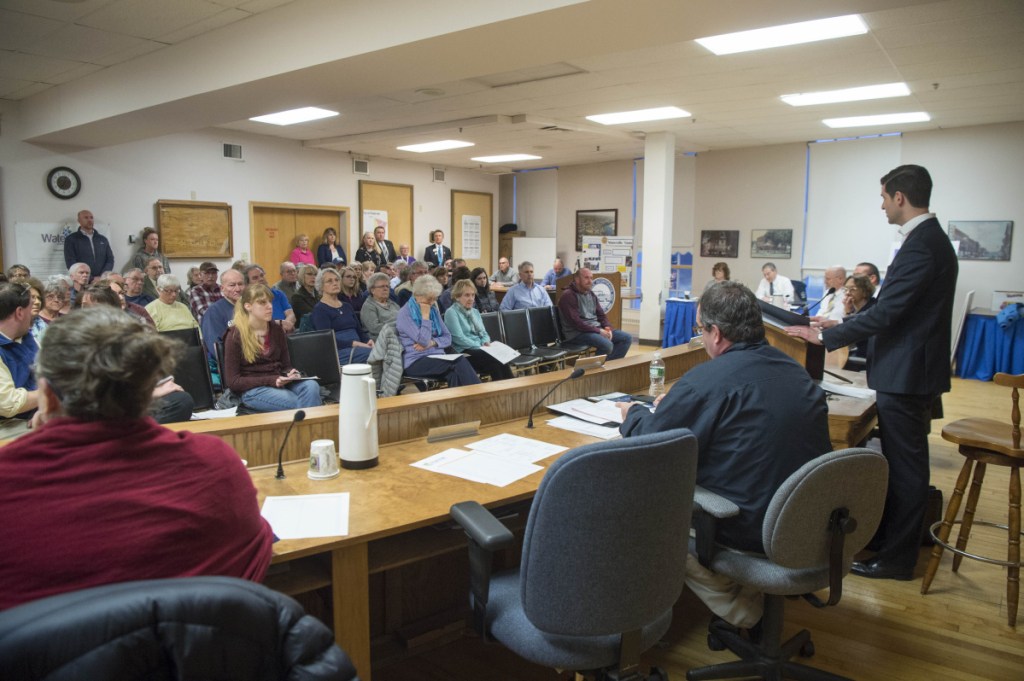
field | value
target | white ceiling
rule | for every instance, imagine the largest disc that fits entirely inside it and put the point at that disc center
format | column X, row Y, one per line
column 99, row 72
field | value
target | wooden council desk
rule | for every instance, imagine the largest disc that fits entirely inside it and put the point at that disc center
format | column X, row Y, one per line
column 395, row 508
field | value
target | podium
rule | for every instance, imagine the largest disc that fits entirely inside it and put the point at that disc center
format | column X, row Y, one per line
column 809, row 355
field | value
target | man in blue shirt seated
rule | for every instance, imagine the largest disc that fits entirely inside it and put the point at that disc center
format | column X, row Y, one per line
column 526, row 293
column 556, row 272
column 757, row 416
column 215, row 322
column 254, row 274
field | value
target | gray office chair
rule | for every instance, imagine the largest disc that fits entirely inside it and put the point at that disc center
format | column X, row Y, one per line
column 602, row 560
column 821, row 516
column 189, row 629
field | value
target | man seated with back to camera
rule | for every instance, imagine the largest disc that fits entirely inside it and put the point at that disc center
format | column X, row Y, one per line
column 749, row 440
column 97, row 493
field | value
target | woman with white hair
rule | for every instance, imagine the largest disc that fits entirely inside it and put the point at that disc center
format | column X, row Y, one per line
column 379, row 309
column 423, row 333
column 168, row 313
column 333, row 313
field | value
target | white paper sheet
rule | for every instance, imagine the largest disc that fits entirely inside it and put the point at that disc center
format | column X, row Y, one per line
column 517, row 448
column 215, row 414
column 601, row 413
column 477, row 467
column 448, row 358
column 584, row 428
column 848, row 390
column 500, row 351
column 307, row 516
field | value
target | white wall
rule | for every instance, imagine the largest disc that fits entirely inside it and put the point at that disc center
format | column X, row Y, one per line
column 592, row 187
column 122, row 183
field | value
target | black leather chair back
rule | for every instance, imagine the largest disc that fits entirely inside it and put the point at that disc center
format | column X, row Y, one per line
column 192, row 372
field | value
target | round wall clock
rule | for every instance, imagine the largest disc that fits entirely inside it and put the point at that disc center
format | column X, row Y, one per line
column 64, row 183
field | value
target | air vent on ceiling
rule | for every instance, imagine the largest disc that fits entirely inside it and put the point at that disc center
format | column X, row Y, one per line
column 360, row 166
column 233, row 151
column 438, row 174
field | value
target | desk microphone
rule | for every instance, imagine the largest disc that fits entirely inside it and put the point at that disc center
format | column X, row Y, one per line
column 807, row 310
column 299, row 415
column 576, row 373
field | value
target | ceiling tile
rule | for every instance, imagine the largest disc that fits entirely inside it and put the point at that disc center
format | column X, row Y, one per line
column 150, row 18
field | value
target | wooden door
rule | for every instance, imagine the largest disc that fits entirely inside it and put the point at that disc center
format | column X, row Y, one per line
column 396, row 200
column 274, row 227
column 473, row 208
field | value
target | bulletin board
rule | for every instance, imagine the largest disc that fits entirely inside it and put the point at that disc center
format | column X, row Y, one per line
column 194, row 229
column 471, row 215
column 397, row 200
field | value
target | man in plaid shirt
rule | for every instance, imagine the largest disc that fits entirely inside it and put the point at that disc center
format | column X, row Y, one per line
column 202, row 296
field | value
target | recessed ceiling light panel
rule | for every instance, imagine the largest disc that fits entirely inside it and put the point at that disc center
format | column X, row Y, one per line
column 882, row 119
column 293, row 116
column 440, row 145
column 506, row 158
column 853, row 94
column 660, row 113
column 787, row 34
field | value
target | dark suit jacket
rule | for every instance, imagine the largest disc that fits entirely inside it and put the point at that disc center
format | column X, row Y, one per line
column 392, row 252
column 908, row 327
column 430, row 255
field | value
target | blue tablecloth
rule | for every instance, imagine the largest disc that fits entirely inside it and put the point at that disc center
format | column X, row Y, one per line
column 986, row 350
column 680, row 316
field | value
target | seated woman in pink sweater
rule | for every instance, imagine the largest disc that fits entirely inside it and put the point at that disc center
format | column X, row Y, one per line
column 301, row 253
column 99, row 493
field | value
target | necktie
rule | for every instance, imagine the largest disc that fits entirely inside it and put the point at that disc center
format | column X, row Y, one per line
column 771, row 288
column 437, row 254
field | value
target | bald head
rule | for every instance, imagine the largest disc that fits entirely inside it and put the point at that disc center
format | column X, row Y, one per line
column 835, row 277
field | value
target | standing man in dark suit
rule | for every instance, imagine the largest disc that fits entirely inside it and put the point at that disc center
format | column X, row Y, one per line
column 908, row 335
column 385, row 247
column 437, row 253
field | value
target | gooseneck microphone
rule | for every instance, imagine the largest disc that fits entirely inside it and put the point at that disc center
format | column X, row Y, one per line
column 299, row 415
column 576, row 373
column 807, row 310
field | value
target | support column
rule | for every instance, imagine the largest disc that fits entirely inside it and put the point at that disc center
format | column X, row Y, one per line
column 659, row 186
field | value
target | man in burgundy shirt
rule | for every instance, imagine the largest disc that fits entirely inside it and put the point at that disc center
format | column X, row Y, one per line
column 584, row 320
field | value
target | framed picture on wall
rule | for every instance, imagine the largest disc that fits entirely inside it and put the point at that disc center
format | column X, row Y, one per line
column 771, row 243
column 981, row 239
column 603, row 222
column 720, row 243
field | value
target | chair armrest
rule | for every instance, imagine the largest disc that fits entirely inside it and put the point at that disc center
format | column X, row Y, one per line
column 708, row 508
column 481, row 526
column 713, row 504
column 486, row 535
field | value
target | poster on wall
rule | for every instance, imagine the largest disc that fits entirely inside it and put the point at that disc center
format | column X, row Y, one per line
column 372, row 219
column 595, row 223
column 609, row 254
column 40, row 246
column 981, row 239
column 470, row 237
column 771, row 243
column 720, row 243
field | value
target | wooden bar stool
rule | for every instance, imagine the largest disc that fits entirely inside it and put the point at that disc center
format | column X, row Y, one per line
column 983, row 442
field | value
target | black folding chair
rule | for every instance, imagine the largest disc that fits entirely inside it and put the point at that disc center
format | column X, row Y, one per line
column 544, row 333
column 517, row 334
column 521, row 364
column 316, row 354
column 192, row 373
column 189, row 337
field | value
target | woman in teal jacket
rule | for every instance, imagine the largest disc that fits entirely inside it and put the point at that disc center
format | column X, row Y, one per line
column 468, row 333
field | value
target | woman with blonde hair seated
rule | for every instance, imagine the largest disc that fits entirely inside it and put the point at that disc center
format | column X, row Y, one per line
column 468, row 332
column 351, row 293
column 169, row 313
column 257, row 367
column 301, row 255
column 98, row 493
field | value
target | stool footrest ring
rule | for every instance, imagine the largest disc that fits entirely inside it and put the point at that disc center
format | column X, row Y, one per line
column 973, row 556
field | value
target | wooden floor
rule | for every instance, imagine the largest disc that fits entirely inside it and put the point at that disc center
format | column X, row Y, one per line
column 882, row 630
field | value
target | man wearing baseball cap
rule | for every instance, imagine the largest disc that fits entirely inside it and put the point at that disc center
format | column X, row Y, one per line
column 201, row 297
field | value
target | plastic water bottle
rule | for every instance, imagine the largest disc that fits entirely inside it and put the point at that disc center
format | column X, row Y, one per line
column 657, row 375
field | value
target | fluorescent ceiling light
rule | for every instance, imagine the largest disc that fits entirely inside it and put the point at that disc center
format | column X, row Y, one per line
column 787, row 34
column 293, row 116
column 853, row 94
column 435, row 146
column 660, row 113
column 507, row 158
column 883, row 119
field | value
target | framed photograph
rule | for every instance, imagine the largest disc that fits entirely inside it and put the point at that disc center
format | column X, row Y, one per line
column 981, row 239
column 720, row 243
column 596, row 223
column 771, row 243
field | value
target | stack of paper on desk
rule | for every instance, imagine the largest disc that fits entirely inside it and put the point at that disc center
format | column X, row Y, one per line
column 498, row 460
column 603, row 413
column 847, row 390
column 306, row 516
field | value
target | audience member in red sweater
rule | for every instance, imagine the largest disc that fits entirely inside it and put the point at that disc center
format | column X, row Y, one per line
column 100, row 493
